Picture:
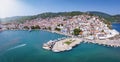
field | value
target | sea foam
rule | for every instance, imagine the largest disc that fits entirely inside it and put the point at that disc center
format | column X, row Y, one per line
column 18, row 46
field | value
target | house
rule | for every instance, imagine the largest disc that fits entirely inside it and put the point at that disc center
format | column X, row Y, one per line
column 101, row 36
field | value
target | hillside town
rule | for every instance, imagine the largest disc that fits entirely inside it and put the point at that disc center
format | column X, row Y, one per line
column 80, row 27
column 91, row 27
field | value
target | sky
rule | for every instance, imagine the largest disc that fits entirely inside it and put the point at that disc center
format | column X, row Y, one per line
column 10, row 8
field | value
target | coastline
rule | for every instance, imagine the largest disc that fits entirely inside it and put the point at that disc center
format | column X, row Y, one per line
column 106, row 42
column 59, row 45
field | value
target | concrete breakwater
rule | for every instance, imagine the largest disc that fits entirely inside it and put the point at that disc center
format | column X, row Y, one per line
column 106, row 42
column 64, row 44
column 112, row 42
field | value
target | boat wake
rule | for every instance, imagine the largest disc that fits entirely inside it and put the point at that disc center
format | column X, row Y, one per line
column 17, row 47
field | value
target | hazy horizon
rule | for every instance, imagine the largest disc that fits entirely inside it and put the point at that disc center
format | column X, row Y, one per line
column 10, row 8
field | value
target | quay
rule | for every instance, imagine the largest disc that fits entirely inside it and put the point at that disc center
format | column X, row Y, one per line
column 65, row 44
column 62, row 44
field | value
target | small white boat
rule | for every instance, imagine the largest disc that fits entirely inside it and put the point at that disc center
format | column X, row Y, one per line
column 56, row 51
column 30, row 30
column 47, row 48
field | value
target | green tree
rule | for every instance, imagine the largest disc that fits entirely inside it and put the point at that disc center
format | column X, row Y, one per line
column 58, row 29
column 26, row 27
column 76, row 31
column 32, row 27
column 37, row 27
column 49, row 28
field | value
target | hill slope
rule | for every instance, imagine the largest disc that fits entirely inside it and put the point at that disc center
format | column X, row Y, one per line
column 117, row 18
column 103, row 15
column 21, row 19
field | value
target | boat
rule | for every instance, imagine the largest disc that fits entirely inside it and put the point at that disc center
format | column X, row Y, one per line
column 49, row 45
column 47, row 48
column 30, row 30
column 55, row 50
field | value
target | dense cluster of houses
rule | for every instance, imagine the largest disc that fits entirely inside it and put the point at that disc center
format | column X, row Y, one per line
column 92, row 27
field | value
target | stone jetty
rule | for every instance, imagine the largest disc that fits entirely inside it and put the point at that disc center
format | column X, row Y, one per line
column 65, row 44
column 105, row 42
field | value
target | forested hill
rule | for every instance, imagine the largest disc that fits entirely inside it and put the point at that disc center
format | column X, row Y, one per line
column 21, row 19
column 111, row 18
column 117, row 18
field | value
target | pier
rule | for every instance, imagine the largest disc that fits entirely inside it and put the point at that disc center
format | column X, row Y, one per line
column 62, row 44
column 65, row 44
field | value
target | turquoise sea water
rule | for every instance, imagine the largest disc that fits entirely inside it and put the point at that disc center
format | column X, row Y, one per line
column 24, row 46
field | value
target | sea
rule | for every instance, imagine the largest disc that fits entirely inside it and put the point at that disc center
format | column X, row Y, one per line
column 25, row 46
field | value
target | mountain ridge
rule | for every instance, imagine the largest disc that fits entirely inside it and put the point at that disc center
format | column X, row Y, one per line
column 21, row 19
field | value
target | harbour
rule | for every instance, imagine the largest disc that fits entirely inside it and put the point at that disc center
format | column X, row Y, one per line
column 33, row 51
column 64, row 44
